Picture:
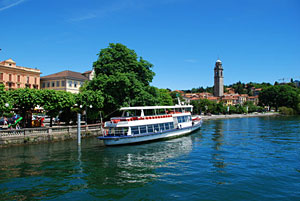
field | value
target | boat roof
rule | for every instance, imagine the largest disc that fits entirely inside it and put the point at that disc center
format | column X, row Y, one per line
column 155, row 107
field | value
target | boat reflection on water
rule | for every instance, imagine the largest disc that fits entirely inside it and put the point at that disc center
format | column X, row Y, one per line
column 136, row 164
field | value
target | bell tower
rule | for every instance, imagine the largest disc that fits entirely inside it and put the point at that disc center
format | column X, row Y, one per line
column 219, row 79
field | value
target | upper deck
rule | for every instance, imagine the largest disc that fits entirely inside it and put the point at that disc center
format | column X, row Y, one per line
column 174, row 107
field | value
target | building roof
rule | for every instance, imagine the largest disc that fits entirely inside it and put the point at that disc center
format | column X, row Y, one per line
column 87, row 72
column 66, row 74
column 9, row 63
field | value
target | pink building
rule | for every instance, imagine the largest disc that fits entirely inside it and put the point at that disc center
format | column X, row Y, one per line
column 13, row 76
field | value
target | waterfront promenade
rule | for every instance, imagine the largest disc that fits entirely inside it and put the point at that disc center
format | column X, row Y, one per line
column 230, row 116
column 46, row 134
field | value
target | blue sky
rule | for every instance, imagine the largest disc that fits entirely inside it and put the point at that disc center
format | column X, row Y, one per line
column 257, row 40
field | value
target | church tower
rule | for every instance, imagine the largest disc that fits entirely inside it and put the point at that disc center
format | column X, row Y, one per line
column 219, row 79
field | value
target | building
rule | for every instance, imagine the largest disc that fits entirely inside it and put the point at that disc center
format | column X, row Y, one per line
column 219, row 79
column 89, row 74
column 64, row 81
column 14, row 77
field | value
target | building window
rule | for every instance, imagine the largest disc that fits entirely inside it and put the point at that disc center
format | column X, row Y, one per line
column 43, row 85
column 18, row 85
column 19, row 78
column 63, row 83
column 75, row 84
column 52, row 84
column 35, row 80
column 27, row 85
column 70, row 83
column 1, row 76
column 27, row 79
column 10, row 78
column 48, row 84
column 57, row 83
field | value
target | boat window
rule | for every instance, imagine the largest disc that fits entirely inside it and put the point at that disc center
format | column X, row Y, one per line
column 156, row 128
column 125, row 130
column 135, row 130
column 180, row 119
column 143, row 129
column 150, row 128
column 167, row 126
column 162, row 127
column 171, row 125
column 118, row 131
column 111, row 131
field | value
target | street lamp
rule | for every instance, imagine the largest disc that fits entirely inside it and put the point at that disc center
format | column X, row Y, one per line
column 78, row 124
column 6, row 104
column 86, row 113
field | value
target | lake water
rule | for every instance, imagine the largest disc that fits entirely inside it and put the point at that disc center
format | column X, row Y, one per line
column 231, row 159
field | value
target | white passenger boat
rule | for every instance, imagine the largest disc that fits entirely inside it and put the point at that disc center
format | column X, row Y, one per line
column 146, row 123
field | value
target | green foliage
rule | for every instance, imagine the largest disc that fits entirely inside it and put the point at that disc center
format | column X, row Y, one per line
column 26, row 100
column 165, row 97
column 124, row 79
column 4, row 98
column 251, row 107
column 200, row 90
column 206, row 106
column 92, row 102
column 287, row 111
column 280, row 95
column 54, row 102
column 117, row 58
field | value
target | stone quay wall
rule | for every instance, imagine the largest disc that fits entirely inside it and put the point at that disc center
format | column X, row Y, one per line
column 50, row 134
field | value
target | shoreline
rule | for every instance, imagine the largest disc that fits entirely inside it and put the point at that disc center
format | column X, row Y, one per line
column 231, row 116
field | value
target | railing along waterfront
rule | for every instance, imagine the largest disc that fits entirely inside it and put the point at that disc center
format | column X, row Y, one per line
column 48, row 130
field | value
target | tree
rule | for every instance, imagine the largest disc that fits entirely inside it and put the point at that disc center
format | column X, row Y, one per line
column 123, row 78
column 54, row 102
column 26, row 100
column 5, row 102
column 279, row 95
column 92, row 102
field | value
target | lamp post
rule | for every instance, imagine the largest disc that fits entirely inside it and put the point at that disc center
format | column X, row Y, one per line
column 78, row 125
column 86, row 113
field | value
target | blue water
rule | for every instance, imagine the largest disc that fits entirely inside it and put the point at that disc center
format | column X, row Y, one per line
column 231, row 159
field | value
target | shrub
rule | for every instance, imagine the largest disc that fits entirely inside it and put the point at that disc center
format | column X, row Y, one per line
column 287, row 111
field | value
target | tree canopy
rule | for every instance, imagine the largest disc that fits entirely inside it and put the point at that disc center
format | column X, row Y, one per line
column 124, row 79
column 280, row 95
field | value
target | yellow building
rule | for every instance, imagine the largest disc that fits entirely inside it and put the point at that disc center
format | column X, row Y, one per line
column 64, row 81
column 13, row 76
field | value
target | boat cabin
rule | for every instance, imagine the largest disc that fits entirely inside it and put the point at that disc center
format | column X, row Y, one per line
column 149, row 119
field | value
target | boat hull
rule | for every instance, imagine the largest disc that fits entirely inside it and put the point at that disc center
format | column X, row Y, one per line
column 120, row 140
